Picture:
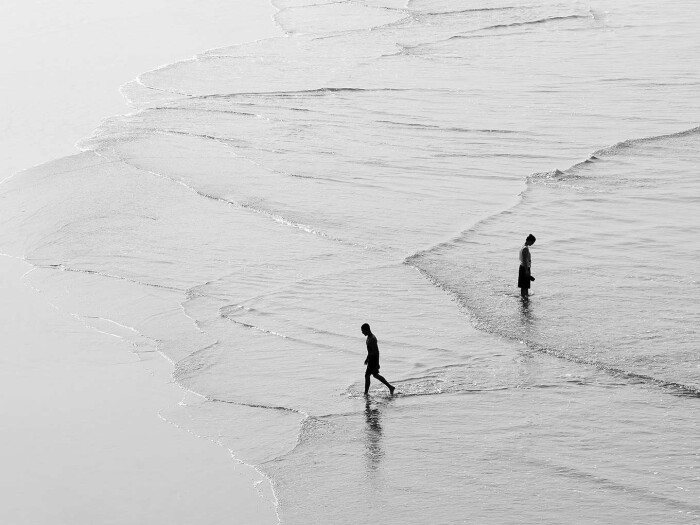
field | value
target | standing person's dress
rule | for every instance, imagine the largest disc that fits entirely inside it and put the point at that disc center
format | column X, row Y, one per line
column 524, row 275
column 524, row 270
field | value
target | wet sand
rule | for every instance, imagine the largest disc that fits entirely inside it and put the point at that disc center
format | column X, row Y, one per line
column 83, row 439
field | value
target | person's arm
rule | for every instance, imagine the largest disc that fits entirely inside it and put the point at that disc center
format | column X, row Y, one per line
column 526, row 257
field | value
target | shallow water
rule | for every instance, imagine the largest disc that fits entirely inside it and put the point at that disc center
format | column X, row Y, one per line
column 382, row 163
column 619, row 260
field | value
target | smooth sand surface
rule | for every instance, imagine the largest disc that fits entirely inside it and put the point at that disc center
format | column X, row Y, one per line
column 82, row 441
column 63, row 62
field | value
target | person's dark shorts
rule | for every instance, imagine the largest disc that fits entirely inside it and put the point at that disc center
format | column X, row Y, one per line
column 372, row 367
column 524, row 277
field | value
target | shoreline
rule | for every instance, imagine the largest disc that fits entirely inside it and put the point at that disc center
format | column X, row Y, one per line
column 82, row 53
column 87, row 437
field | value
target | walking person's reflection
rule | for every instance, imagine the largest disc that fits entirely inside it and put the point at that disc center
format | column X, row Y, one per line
column 373, row 435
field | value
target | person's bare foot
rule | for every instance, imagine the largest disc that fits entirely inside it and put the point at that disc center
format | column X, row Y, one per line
column 391, row 390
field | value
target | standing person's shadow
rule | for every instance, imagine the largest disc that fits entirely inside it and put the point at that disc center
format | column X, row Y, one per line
column 373, row 435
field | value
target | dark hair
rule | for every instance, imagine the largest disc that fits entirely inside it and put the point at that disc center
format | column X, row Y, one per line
column 365, row 326
column 530, row 238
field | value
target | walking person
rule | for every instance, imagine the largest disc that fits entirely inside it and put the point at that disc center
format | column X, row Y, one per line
column 372, row 360
column 524, row 275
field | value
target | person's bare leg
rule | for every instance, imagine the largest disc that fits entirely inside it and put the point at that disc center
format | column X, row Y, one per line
column 366, row 384
column 523, row 292
column 391, row 388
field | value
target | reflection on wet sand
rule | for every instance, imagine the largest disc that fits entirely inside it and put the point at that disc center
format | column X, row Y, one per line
column 525, row 312
column 373, row 435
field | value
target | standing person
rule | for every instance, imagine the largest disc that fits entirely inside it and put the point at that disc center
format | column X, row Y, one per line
column 372, row 360
column 524, row 276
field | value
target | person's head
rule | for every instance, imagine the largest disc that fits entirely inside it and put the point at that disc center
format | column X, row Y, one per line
column 530, row 240
column 365, row 329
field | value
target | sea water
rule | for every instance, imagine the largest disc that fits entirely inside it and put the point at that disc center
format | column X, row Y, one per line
column 383, row 162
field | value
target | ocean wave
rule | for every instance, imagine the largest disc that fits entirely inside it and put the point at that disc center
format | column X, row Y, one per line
column 274, row 215
column 336, row 17
column 322, row 91
column 539, row 21
column 449, row 11
column 630, row 143
column 64, row 268
column 575, row 175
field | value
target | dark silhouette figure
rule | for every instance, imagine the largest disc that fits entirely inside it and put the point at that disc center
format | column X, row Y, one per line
column 524, row 276
column 372, row 360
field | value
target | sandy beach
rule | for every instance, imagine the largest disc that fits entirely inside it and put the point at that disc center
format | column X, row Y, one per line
column 83, row 439
column 67, row 61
